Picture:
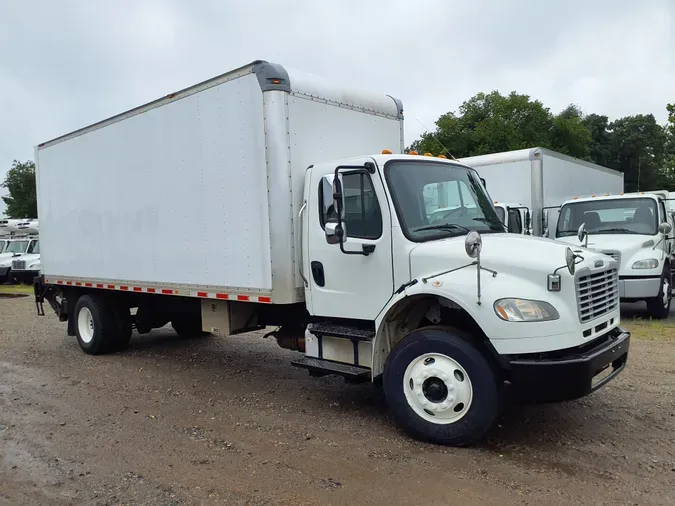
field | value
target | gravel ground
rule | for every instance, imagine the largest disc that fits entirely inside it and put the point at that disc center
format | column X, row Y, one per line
column 229, row 421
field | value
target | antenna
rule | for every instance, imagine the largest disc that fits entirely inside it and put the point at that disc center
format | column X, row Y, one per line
column 437, row 140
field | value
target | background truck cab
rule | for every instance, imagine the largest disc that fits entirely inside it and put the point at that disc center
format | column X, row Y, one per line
column 636, row 230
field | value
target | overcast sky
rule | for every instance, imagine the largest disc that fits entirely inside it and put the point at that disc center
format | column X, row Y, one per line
column 67, row 63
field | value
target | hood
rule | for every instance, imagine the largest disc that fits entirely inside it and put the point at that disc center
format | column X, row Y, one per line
column 518, row 254
column 624, row 247
column 29, row 258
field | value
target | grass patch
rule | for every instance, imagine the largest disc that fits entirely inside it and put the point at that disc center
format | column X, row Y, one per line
column 22, row 289
column 650, row 330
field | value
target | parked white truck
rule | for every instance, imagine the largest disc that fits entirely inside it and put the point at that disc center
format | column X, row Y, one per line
column 636, row 229
column 540, row 179
column 264, row 208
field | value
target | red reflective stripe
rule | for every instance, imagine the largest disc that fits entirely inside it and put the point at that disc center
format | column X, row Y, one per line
column 202, row 294
column 151, row 290
column 99, row 285
column 222, row 296
column 111, row 287
column 124, row 287
column 137, row 289
column 59, row 282
column 69, row 283
column 242, row 297
column 88, row 284
column 264, row 299
column 77, row 283
column 167, row 292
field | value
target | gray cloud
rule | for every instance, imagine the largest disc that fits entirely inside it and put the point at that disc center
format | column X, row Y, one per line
column 70, row 63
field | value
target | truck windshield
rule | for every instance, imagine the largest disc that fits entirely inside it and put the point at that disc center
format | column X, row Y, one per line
column 16, row 247
column 2, row 246
column 501, row 213
column 609, row 216
column 435, row 200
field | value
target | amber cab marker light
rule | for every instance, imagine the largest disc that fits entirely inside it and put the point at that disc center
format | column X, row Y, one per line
column 412, row 152
column 386, row 152
column 442, row 156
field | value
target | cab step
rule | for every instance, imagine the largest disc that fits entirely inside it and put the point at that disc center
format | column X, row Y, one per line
column 320, row 367
column 329, row 329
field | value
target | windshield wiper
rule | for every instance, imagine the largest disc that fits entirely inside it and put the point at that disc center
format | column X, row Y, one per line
column 444, row 226
column 618, row 230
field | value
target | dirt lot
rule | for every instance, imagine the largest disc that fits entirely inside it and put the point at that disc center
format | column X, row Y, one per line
column 229, row 421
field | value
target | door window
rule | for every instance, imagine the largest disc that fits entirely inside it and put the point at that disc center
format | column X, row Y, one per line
column 363, row 217
column 515, row 221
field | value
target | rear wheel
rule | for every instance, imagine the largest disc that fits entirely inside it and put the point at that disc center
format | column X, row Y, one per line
column 95, row 326
column 659, row 306
column 440, row 388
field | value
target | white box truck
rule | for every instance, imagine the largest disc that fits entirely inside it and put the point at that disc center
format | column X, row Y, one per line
column 636, row 229
column 540, row 179
column 257, row 204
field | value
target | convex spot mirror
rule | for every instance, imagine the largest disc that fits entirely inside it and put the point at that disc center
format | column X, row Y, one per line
column 582, row 233
column 665, row 228
column 473, row 244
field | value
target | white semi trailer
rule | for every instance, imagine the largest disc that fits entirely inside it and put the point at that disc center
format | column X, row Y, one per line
column 540, row 180
column 259, row 203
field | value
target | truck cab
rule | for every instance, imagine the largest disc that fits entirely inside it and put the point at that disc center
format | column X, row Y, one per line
column 27, row 266
column 380, row 245
column 14, row 248
column 636, row 230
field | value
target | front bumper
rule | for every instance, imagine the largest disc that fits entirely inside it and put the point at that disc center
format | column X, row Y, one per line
column 24, row 276
column 638, row 288
column 565, row 375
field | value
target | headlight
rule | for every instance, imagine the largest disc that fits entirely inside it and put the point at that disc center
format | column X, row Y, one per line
column 647, row 263
column 34, row 266
column 521, row 310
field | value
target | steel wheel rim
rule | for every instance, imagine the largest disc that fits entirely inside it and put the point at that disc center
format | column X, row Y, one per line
column 85, row 325
column 438, row 388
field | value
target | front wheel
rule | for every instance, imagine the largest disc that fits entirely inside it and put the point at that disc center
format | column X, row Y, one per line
column 440, row 388
column 659, row 306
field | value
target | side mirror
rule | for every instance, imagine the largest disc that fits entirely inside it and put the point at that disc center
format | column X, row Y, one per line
column 333, row 198
column 582, row 234
column 335, row 234
column 665, row 228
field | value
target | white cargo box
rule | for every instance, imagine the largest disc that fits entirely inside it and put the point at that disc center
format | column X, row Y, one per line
column 200, row 190
column 539, row 178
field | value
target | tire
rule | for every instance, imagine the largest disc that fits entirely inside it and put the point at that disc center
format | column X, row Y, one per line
column 95, row 325
column 659, row 307
column 472, row 399
column 187, row 328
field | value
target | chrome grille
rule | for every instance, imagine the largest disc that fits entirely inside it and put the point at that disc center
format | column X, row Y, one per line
column 614, row 254
column 597, row 294
column 18, row 264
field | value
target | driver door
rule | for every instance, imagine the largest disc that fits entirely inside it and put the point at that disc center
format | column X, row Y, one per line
column 348, row 284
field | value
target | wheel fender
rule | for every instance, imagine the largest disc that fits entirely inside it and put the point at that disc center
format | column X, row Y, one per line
column 379, row 349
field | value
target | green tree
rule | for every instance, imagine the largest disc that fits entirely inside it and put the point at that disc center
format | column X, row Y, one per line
column 491, row 122
column 20, row 182
column 600, row 145
column 638, row 148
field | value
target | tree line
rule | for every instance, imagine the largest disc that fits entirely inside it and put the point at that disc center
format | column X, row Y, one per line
column 491, row 122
